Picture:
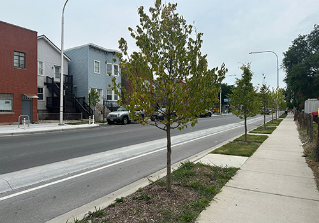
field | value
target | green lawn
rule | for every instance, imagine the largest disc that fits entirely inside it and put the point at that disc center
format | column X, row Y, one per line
column 240, row 148
column 253, row 138
column 261, row 130
column 274, row 122
column 237, row 149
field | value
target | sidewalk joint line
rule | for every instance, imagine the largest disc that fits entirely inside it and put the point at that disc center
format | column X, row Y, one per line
column 257, row 191
column 279, row 174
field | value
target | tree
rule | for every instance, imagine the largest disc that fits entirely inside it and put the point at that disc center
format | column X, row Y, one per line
column 264, row 95
column 273, row 104
column 169, row 74
column 244, row 101
column 301, row 63
column 280, row 99
column 94, row 98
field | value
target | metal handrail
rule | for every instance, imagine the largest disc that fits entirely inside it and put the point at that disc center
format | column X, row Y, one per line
column 19, row 120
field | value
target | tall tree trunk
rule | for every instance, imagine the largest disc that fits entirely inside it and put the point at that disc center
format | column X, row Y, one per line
column 272, row 116
column 245, row 129
column 264, row 117
column 169, row 152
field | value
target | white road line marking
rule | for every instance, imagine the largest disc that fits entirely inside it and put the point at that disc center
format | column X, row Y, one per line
column 109, row 165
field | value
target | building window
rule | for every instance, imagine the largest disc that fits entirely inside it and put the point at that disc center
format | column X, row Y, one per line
column 112, row 69
column 96, row 66
column 19, row 59
column 40, row 68
column 40, row 93
column 109, row 69
column 6, row 101
column 109, row 95
column 115, row 97
column 116, row 69
column 56, row 72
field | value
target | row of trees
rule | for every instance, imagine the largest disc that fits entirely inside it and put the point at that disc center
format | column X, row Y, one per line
column 301, row 64
column 247, row 101
column 170, row 75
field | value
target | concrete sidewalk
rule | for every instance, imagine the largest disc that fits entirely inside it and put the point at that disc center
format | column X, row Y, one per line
column 274, row 185
column 39, row 128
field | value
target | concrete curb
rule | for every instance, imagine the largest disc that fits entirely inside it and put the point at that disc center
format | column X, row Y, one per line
column 29, row 131
column 105, row 201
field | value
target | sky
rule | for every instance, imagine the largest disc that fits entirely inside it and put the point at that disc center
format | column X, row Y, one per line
column 231, row 28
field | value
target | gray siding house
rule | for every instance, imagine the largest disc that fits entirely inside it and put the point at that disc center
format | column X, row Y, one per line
column 49, row 65
column 90, row 65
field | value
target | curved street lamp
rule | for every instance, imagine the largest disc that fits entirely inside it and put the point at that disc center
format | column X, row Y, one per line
column 269, row 51
column 61, row 69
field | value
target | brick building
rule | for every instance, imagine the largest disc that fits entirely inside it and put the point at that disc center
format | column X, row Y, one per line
column 18, row 73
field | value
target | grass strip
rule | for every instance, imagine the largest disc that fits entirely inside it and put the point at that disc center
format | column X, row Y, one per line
column 274, row 122
column 262, row 130
column 237, row 149
column 253, row 138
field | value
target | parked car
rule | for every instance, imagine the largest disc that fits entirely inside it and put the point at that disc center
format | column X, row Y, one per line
column 122, row 116
column 267, row 111
column 159, row 115
column 207, row 113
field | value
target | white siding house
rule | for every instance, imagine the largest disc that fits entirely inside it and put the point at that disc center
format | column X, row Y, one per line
column 49, row 63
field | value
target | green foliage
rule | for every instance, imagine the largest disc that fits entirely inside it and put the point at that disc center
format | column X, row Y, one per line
column 94, row 98
column 143, row 196
column 265, row 99
column 301, row 64
column 169, row 71
column 119, row 200
column 244, row 100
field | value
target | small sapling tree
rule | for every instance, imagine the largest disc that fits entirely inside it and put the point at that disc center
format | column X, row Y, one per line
column 168, row 75
column 245, row 102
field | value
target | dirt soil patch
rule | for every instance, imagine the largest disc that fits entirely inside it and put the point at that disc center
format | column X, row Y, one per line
column 193, row 187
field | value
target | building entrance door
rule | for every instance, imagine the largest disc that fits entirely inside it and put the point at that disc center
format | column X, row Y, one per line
column 26, row 107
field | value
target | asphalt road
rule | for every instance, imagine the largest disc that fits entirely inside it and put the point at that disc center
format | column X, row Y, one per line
column 26, row 151
column 42, row 151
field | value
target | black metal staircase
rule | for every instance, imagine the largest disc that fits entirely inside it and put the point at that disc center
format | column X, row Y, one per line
column 71, row 104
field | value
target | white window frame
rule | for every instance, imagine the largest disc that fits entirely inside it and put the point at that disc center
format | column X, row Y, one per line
column 41, row 93
column 118, row 72
column 107, row 94
column 113, row 73
column 55, row 77
column 99, row 69
column 114, row 96
column 40, row 68
column 109, row 64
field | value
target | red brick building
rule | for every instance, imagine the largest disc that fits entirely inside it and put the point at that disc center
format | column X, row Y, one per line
column 18, row 73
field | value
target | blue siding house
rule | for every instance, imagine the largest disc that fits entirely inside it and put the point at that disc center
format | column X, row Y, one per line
column 90, row 65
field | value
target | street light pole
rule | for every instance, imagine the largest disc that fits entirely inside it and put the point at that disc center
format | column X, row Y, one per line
column 269, row 51
column 61, row 68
